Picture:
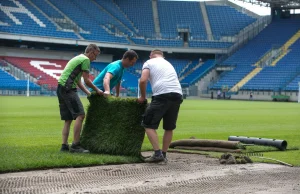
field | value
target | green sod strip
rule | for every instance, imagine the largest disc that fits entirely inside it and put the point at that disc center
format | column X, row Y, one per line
column 113, row 126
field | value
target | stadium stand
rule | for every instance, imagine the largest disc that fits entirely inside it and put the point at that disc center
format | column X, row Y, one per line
column 277, row 77
column 293, row 85
column 102, row 16
column 209, row 44
column 129, row 80
column 139, row 40
column 48, row 9
column 23, row 18
column 198, row 73
column 226, row 21
column 189, row 67
column 134, row 24
column 141, row 14
column 274, row 35
column 115, row 11
column 8, row 82
column 99, row 66
column 178, row 64
column 46, row 71
column 174, row 13
column 112, row 21
column 165, row 43
column 89, row 17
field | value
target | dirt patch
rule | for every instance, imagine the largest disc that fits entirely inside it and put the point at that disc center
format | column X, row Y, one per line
column 184, row 173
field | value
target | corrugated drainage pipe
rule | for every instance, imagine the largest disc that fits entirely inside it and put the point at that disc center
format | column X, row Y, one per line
column 280, row 144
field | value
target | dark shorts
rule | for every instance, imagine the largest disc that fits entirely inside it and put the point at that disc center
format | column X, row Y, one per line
column 70, row 105
column 164, row 106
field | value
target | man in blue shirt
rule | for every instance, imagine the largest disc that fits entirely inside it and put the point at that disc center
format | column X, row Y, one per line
column 112, row 74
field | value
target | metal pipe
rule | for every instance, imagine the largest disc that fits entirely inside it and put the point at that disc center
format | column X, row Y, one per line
column 280, row 144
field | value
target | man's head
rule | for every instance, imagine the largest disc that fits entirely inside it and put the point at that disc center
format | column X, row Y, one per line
column 92, row 51
column 129, row 58
column 156, row 53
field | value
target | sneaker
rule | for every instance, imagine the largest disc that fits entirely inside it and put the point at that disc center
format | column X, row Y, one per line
column 155, row 159
column 165, row 159
column 78, row 149
column 64, row 148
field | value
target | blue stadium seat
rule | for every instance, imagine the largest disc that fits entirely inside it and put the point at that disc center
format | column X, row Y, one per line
column 198, row 73
column 8, row 82
column 180, row 13
column 90, row 17
column 277, row 77
column 226, row 20
column 41, row 27
column 276, row 34
column 141, row 14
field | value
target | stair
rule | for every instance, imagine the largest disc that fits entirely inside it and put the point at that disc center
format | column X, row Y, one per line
column 108, row 13
column 292, row 40
column 279, row 57
column 246, row 79
column 156, row 18
column 120, row 10
column 80, row 30
column 183, row 69
column 129, row 40
column 190, row 71
column 32, row 4
column 286, row 46
column 206, row 21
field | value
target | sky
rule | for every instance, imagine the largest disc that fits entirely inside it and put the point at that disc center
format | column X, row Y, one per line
column 260, row 10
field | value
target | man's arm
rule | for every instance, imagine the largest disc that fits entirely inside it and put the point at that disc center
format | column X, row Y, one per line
column 143, row 84
column 83, row 88
column 106, row 83
column 89, row 83
column 118, row 89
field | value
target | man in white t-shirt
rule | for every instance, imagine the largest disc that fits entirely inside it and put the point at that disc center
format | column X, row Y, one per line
column 165, row 104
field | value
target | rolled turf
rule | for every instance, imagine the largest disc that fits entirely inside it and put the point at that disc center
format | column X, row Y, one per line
column 113, row 126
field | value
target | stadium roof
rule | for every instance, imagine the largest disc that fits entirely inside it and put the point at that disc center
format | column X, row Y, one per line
column 289, row 4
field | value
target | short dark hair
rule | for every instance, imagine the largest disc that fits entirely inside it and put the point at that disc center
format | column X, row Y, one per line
column 91, row 48
column 157, row 51
column 130, row 54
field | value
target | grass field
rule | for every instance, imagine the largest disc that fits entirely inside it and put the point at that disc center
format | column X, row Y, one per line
column 30, row 130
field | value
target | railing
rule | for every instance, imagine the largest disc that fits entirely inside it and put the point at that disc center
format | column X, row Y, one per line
column 270, row 56
column 245, row 36
column 183, row 28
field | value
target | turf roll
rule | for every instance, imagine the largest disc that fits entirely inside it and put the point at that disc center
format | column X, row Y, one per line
column 113, row 126
column 205, row 143
column 213, row 149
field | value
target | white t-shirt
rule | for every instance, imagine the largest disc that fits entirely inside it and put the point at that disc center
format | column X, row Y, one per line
column 163, row 77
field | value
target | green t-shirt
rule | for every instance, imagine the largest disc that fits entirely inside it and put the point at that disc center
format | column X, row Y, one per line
column 72, row 73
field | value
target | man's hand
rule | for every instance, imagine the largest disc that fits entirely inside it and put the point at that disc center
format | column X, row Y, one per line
column 99, row 92
column 106, row 94
column 141, row 100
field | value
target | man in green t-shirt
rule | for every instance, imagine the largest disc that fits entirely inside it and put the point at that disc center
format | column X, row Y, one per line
column 69, row 103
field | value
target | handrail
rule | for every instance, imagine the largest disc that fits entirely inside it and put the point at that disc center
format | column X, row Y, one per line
column 270, row 56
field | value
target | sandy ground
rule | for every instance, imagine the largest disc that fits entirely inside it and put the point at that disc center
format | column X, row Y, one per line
column 184, row 173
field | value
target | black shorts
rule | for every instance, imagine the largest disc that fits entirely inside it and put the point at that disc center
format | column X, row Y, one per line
column 164, row 106
column 70, row 105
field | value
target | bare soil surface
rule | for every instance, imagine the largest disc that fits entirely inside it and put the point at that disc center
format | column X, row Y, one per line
column 183, row 173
